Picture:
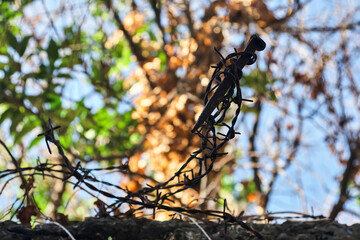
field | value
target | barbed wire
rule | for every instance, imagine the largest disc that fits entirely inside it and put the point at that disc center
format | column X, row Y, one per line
column 222, row 91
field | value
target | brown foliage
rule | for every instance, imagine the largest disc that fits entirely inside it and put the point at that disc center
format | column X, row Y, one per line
column 25, row 213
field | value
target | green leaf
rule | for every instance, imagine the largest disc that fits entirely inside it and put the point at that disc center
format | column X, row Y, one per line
column 34, row 142
column 135, row 138
column 118, row 86
column 6, row 114
column 28, row 126
column 127, row 116
column 227, row 183
column 261, row 82
column 162, row 57
column 52, row 51
column 152, row 36
column 89, row 150
column 55, row 101
column 3, row 108
column 66, row 140
column 23, row 45
column 121, row 125
column 15, row 120
column 12, row 41
column 143, row 28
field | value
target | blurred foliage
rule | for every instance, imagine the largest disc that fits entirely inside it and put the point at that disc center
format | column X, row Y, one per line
column 33, row 88
column 125, row 80
column 37, row 77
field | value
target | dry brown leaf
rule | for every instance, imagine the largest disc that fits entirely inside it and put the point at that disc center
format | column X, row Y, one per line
column 25, row 213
